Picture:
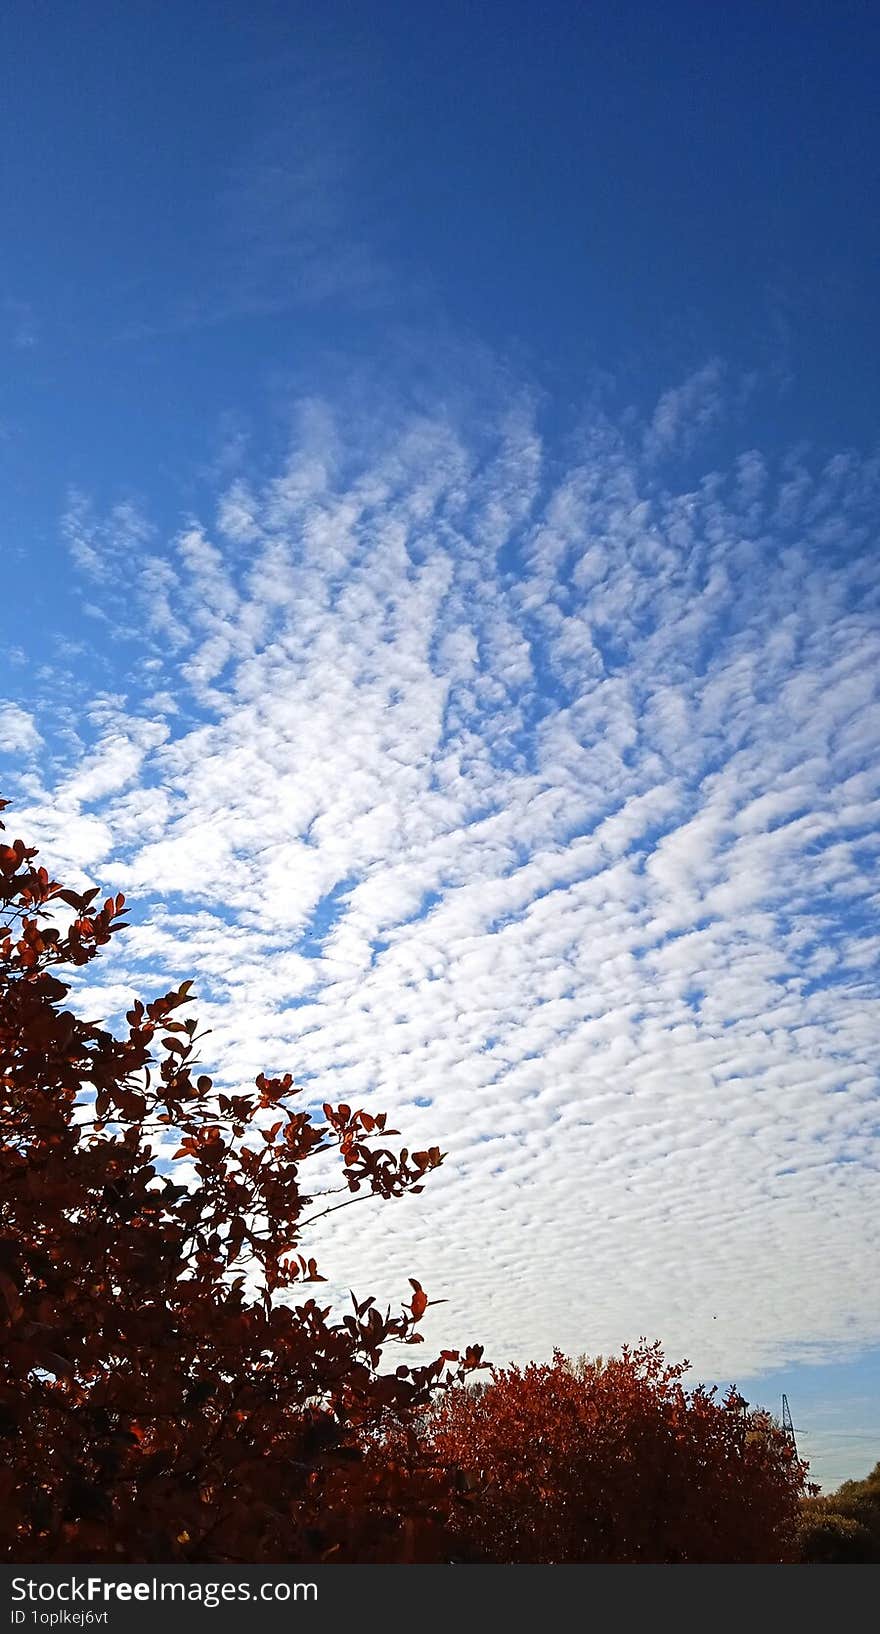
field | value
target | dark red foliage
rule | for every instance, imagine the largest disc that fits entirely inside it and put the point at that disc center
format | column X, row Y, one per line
column 614, row 1462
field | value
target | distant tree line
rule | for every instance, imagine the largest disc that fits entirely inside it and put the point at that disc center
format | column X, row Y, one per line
column 842, row 1528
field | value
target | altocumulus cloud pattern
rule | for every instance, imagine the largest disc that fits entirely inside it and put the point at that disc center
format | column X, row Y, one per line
column 534, row 801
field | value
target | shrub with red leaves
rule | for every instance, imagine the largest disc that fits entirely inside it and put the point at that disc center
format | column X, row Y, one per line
column 614, row 1462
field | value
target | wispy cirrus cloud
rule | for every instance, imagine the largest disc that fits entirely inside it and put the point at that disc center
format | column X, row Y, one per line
column 538, row 807
column 102, row 547
column 288, row 221
column 685, row 413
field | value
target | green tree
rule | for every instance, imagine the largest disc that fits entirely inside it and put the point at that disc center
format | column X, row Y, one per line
column 842, row 1528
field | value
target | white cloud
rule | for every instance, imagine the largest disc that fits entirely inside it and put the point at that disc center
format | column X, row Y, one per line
column 104, row 547
column 684, row 413
column 540, row 810
column 18, row 733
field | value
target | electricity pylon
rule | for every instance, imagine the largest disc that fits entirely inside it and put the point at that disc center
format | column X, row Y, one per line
column 787, row 1426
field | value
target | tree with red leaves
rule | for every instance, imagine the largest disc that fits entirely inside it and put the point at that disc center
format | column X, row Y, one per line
column 614, row 1462
column 167, row 1392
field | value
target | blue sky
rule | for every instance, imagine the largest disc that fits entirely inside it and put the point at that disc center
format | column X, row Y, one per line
column 440, row 470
